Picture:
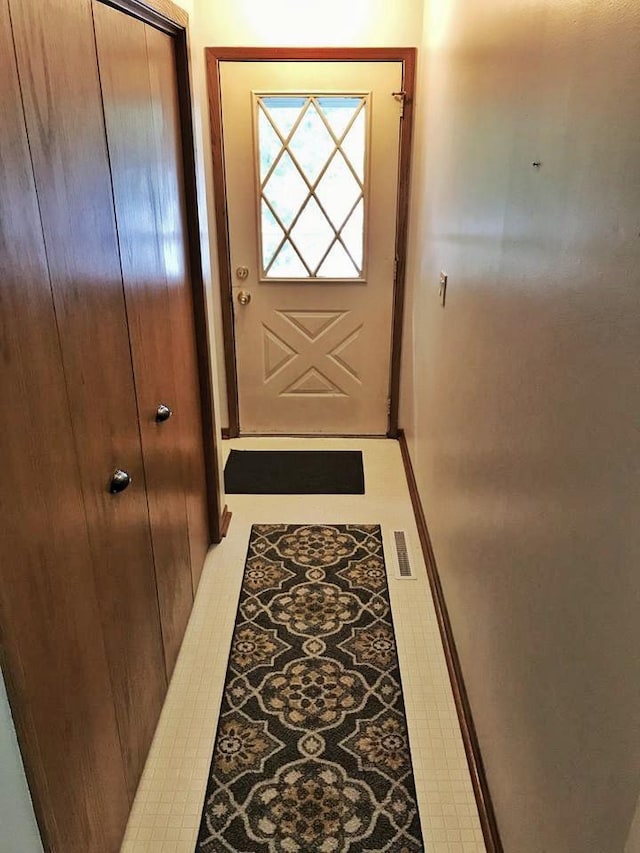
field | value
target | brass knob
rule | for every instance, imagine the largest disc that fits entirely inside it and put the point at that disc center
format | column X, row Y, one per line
column 244, row 297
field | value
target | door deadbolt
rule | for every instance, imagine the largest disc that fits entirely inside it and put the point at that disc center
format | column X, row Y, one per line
column 242, row 273
column 244, row 297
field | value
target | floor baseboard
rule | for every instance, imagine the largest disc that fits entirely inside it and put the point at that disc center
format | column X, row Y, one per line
column 469, row 736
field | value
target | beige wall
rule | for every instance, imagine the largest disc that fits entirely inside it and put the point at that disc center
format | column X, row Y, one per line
column 522, row 397
column 273, row 23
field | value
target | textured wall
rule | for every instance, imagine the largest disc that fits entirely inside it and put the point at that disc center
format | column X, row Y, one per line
column 522, row 397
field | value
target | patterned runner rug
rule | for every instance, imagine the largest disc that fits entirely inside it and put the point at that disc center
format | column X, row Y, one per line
column 311, row 753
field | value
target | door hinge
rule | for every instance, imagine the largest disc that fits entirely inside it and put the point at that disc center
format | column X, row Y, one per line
column 401, row 97
column 388, row 407
column 395, row 270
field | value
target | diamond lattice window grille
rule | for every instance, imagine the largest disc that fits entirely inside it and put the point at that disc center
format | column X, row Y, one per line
column 312, row 154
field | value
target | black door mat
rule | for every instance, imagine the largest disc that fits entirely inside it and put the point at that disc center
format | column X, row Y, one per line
column 294, row 472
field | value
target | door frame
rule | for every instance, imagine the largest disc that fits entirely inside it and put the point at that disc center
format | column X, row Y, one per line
column 164, row 15
column 214, row 56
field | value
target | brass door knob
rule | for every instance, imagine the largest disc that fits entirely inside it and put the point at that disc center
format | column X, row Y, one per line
column 244, row 297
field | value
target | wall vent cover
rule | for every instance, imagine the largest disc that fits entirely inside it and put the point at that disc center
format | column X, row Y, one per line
column 405, row 569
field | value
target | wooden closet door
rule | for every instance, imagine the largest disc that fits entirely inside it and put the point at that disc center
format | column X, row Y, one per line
column 172, row 207
column 53, row 655
column 58, row 69
column 152, row 251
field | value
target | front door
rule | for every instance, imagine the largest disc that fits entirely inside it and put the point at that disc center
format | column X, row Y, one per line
column 311, row 168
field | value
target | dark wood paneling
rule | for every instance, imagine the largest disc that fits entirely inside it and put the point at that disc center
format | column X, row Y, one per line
column 66, row 133
column 467, row 726
column 214, row 56
column 169, row 18
column 150, row 245
column 53, row 654
column 172, row 208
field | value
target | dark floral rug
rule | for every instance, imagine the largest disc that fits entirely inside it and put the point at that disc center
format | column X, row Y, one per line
column 311, row 753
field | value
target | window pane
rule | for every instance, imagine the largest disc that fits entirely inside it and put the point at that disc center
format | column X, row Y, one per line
column 338, row 190
column 312, row 234
column 285, row 190
column 311, row 144
column 339, row 112
column 337, row 264
column 353, row 233
column 354, row 145
column 284, row 112
column 287, row 264
column 270, row 145
column 272, row 235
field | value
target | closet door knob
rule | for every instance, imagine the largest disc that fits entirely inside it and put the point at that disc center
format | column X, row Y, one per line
column 163, row 413
column 120, row 480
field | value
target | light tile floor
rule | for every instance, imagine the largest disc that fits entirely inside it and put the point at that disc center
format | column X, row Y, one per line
column 166, row 812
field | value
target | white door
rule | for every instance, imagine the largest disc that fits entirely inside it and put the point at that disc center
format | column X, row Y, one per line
column 311, row 168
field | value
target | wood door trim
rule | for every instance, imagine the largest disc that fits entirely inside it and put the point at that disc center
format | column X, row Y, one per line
column 214, row 56
column 477, row 772
column 161, row 14
column 402, row 232
column 171, row 19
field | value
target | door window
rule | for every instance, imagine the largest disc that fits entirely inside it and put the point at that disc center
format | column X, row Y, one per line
column 311, row 166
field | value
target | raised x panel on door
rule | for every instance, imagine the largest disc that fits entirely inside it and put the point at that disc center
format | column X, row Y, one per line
column 65, row 125
column 53, row 654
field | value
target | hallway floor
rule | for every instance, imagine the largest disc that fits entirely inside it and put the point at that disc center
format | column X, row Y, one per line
column 166, row 813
